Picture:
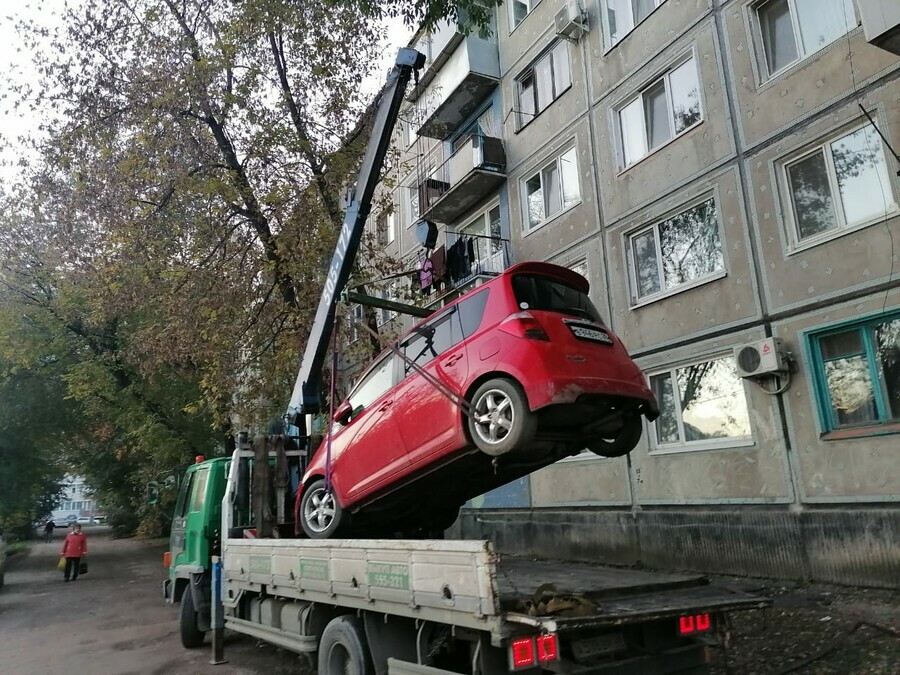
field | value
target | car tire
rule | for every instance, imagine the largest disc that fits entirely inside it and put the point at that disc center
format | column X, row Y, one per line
column 625, row 440
column 343, row 649
column 500, row 419
column 320, row 511
column 191, row 635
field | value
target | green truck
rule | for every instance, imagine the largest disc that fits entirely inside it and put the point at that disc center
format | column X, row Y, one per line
column 425, row 606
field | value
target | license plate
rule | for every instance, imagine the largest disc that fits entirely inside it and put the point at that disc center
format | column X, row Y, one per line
column 597, row 646
column 593, row 334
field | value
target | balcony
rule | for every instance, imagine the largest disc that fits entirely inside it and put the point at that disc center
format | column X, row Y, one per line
column 487, row 256
column 475, row 170
column 881, row 23
column 460, row 75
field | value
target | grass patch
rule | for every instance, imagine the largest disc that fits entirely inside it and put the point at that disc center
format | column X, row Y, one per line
column 16, row 547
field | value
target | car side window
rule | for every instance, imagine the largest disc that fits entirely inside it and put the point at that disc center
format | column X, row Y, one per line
column 431, row 339
column 471, row 312
column 373, row 386
column 184, row 496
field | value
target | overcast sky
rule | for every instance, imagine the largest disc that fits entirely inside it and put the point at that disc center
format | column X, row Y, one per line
column 16, row 65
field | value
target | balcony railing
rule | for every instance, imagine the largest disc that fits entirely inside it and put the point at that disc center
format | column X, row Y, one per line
column 452, row 266
column 475, row 170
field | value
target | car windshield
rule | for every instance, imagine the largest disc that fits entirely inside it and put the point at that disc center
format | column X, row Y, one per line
column 534, row 291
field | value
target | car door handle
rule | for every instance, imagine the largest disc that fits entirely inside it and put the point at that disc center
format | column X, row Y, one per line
column 451, row 361
column 384, row 406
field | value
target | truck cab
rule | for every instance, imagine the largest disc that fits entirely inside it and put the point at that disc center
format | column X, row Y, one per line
column 196, row 526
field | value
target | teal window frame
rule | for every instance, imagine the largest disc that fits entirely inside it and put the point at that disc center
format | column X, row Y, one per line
column 827, row 415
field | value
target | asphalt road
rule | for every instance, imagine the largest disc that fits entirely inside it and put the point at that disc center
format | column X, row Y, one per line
column 112, row 620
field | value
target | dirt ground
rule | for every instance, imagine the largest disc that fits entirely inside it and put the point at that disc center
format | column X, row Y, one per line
column 113, row 621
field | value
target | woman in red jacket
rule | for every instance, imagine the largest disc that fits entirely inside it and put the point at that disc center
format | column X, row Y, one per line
column 74, row 548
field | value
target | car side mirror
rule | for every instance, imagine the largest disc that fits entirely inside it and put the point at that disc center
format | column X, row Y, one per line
column 342, row 414
column 152, row 492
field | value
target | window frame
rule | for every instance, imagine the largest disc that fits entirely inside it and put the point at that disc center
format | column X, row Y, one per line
column 827, row 421
column 663, row 76
column 760, row 44
column 655, row 448
column 796, row 243
column 541, row 167
column 636, row 300
column 530, row 72
column 532, row 4
column 604, row 19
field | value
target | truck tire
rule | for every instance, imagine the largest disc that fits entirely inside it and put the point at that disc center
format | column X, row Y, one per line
column 623, row 442
column 343, row 649
column 191, row 636
column 501, row 420
column 320, row 511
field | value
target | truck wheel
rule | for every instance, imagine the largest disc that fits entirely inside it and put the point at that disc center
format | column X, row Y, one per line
column 320, row 511
column 501, row 419
column 343, row 649
column 191, row 636
column 622, row 442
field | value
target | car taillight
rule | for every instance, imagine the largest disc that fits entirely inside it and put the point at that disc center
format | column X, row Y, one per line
column 528, row 652
column 524, row 325
column 693, row 624
column 167, row 559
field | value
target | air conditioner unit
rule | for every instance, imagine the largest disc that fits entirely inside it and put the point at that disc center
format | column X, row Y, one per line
column 765, row 357
column 571, row 21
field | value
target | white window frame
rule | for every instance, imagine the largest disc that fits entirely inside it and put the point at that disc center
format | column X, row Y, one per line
column 527, row 228
column 796, row 243
column 802, row 54
column 664, row 76
column 656, row 448
column 523, row 118
column 638, row 300
column 531, row 4
column 355, row 316
column 607, row 33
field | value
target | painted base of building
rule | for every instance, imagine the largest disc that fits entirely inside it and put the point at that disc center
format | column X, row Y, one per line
column 853, row 546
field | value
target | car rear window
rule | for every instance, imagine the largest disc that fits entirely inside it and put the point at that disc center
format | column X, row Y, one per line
column 534, row 291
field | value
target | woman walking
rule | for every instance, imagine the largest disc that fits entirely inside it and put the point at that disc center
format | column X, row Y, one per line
column 73, row 550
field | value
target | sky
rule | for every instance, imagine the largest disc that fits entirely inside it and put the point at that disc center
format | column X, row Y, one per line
column 16, row 65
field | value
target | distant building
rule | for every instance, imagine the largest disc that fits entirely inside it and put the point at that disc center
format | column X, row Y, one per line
column 77, row 503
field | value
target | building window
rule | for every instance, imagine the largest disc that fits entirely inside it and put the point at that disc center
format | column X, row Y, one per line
column 857, row 373
column 544, row 82
column 791, row 30
column 702, row 405
column 411, row 205
column 659, row 113
column 678, row 251
column 551, row 190
column 385, row 230
column 840, row 185
column 520, row 9
column 487, row 240
column 356, row 319
column 623, row 15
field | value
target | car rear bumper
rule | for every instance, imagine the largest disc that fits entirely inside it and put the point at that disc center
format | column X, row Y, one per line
column 557, row 391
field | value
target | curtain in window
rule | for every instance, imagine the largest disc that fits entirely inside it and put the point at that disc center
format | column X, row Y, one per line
column 823, row 21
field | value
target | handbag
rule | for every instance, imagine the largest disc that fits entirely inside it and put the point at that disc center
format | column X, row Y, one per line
column 82, row 568
column 61, row 565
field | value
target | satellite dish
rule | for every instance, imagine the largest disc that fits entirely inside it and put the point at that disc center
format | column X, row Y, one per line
column 426, row 233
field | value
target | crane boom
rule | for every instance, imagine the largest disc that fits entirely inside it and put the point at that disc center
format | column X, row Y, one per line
column 306, row 398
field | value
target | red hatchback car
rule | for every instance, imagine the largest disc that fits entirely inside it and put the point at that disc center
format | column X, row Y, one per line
column 508, row 378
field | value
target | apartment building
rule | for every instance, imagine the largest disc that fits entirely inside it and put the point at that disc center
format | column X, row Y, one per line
column 722, row 173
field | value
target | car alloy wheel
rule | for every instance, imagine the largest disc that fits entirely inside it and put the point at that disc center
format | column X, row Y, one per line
column 321, row 511
column 500, row 418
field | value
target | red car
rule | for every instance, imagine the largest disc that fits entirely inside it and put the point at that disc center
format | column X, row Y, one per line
column 507, row 379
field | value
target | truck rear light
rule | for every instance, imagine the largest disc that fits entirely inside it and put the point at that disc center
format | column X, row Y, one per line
column 167, row 559
column 529, row 652
column 524, row 325
column 547, row 648
column 693, row 624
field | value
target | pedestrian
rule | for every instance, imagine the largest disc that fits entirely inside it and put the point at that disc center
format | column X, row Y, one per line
column 48, row 530
column 73, row 550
